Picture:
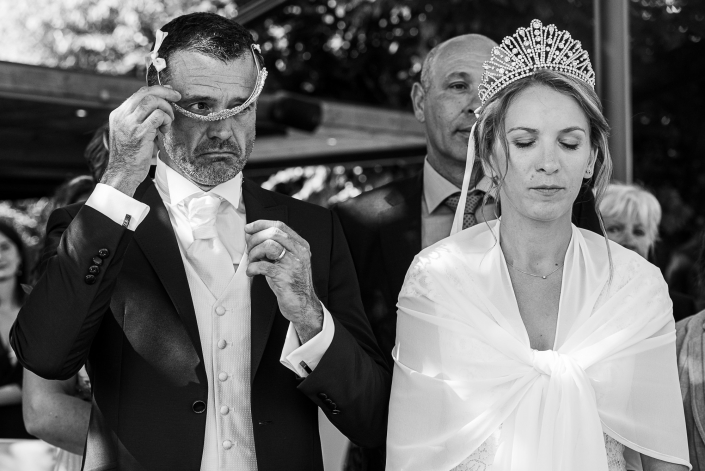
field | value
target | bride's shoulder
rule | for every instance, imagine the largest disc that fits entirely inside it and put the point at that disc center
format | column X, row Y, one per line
column 451, row 255
column 475, row 240
column 626, row 264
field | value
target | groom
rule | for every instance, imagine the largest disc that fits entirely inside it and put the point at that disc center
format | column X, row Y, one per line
column 215, row 317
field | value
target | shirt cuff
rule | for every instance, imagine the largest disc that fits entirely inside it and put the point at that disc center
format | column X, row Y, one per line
column 116, row 205
column 310, row 353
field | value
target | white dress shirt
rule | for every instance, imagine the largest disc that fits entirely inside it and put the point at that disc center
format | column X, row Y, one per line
column 229, row 440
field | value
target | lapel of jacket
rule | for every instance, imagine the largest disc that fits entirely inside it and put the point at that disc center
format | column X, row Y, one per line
column 400, row 226
column 696, row 367
column 156, row 238
column 259, row 204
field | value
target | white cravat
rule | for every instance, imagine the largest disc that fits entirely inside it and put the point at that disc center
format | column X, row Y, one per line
column 207, row 254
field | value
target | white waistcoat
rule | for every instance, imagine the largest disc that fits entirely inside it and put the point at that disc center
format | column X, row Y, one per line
column 224, row 329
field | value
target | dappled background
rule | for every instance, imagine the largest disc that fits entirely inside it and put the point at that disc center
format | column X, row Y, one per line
column 370, row 52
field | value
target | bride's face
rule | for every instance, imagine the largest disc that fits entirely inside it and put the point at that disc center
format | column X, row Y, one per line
column 549, row 154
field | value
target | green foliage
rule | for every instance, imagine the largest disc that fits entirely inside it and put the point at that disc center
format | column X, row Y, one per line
column 111, row 36
column 371, row 51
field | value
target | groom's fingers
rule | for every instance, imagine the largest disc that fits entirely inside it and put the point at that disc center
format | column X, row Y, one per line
column 268, row 250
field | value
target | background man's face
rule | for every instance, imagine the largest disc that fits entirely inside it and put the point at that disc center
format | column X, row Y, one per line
column 210, row 153
column 451, row 98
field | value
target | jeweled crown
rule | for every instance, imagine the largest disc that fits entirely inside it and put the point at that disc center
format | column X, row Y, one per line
column 528, row 50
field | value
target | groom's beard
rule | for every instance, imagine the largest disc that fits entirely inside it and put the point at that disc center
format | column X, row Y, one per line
column 203, row 169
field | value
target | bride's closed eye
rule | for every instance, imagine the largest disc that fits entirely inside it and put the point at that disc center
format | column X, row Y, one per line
column 524, row 144
column 571, row 145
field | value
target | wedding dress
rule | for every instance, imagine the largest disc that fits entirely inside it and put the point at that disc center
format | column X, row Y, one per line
column 483, row 457
column 464, row 367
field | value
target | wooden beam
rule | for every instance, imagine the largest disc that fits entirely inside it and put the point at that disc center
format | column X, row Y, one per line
column 67, row 87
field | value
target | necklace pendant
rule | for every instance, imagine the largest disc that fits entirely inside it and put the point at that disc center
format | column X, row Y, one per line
column 543, row 277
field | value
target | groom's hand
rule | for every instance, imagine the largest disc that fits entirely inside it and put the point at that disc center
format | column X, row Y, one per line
column 284, row 258
column 133, row 129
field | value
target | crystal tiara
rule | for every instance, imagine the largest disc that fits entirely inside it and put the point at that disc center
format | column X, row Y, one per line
column 528, row 50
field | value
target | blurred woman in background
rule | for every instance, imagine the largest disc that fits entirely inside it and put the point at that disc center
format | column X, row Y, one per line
column 13, row 264
column 632, row 216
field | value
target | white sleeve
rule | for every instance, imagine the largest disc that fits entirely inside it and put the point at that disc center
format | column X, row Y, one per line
column 117, row 206
column 310, row 353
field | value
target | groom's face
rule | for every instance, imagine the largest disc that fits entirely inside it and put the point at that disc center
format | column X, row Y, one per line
column 210, row 153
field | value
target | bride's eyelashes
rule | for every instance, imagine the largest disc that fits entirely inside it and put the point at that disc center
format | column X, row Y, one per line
column 524, row 144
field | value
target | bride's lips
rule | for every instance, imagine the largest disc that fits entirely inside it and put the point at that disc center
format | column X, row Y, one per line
column 547, row 190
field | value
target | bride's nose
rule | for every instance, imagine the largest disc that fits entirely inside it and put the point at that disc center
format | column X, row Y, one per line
column 547, row 161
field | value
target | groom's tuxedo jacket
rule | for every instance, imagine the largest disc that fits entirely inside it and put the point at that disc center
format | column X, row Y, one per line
column 136, row 329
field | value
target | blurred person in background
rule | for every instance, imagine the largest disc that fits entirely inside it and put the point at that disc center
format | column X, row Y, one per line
column 58, row 411
column 690, row 348
column 632, row 216
column 388, row 226
column 13, row 275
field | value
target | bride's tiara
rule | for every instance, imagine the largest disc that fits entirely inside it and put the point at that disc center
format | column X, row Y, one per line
column 531, row 49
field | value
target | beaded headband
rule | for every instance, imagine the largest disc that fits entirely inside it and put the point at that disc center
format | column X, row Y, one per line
column 529, row 50
column 159, row 64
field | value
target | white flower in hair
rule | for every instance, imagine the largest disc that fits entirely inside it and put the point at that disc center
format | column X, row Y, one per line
column 153, row 57
column 528, row 50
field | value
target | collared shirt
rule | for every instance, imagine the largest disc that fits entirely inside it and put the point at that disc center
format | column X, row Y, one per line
column 436, row 217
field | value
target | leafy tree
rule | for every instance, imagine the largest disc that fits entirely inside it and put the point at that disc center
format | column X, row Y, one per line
column 111, row 36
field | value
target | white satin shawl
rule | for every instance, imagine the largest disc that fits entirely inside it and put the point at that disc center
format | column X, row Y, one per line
column 464, row 365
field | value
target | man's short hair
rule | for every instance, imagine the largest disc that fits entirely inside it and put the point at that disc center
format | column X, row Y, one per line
column 427, row 66
column 428, row 62
column 206, row 33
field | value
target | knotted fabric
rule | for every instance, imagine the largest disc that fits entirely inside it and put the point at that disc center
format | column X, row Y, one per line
column 207, row 254
column 471, row 204
column 464, row 366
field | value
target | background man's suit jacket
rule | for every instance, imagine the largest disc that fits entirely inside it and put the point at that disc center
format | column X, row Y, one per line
column 136, row 327
column 383, row 228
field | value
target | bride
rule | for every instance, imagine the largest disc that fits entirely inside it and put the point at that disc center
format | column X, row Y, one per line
column 527, row 343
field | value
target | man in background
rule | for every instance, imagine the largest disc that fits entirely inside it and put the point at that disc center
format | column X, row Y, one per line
column 388, row 226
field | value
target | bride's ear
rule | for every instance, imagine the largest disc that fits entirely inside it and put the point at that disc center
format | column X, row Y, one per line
column 590, row 169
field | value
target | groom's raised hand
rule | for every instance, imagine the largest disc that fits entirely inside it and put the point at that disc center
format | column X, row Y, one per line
column 284, row 258
column 133, row 129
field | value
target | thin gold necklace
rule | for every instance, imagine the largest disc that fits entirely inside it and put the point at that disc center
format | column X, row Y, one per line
column 543, row 277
